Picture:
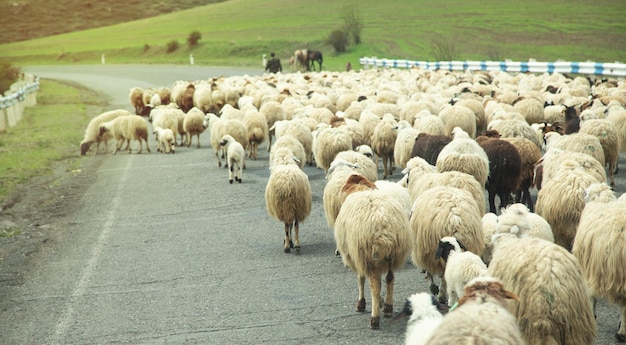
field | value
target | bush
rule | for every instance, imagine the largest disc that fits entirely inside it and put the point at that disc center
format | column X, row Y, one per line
column 444, row 49
column 353, row 25
column 172, row 46
column 339, row 40
column 146, row 47
column 193, row 39
column 9, row 74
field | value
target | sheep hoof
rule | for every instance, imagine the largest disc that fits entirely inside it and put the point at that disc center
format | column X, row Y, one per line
column 287, row 250
column 620, row 337
column 290, row 244
column 388, row 310
column 375, row 322
column 297, row 250
column 434, row 289
column 337, row 253
column 231, row 181
column 360, row 305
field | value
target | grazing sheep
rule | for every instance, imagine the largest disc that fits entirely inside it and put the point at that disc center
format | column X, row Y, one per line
column 599, row 247
column 256, row 125
column 372, row 243
column 461, row 267
column 328, row 143
column 92, row 132
column 437, row 213
column 505, row 164
column 136, row 99
column 235, row 158
column 429, row 146
column 465, row 155
column 383, row 142
column 607, row 134
column 481, row 317
column 425, row 314
column 165, row 139
column 126, row 128
column 193, row 124
column 554, row 305
column 288, row 196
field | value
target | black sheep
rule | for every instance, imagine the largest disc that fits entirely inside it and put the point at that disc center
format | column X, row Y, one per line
column 505, row 166
column 428, row 146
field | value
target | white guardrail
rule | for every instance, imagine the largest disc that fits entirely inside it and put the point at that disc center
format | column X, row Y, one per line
column 21, row 95
column 591, row 68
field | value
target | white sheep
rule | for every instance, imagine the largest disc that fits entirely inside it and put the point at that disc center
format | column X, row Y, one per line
column 165, row 139
column 288, row 196
column 363, row 164
column 481, row 317
column 373, row 234
column 193, row 124
column 235, row 157
column 135, row 96
column 256, row 125
column 465, row 155
column 165, row 117
column 217, row 129
column 328, row 143
column 405, row 141
column 425, row 314
column 608, row 136
column 92, row 132
column 127, row 128
column 383, row 142
column 599, row 247
column 461, row 267
column 296, row 148
column 554, row 305
column 458, row 116
column 273, row 111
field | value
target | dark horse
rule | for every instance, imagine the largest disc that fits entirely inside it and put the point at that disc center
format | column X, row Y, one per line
column 312, row 56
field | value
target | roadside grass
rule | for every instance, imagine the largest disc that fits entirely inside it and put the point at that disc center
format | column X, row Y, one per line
column 47, row 133
column 238, row 32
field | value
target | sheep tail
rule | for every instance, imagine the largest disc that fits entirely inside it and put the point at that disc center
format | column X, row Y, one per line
column 543, row 333
column 382, row 249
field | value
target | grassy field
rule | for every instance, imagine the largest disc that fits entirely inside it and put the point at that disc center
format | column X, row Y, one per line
column 47, row 133
column 238, row 32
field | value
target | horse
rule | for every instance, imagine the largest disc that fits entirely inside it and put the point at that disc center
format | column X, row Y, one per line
column 312, row 56
column 299, row 60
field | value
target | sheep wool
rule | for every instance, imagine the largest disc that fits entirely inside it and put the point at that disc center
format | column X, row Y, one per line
column 193, row 125
column 425, row 314
column 165, row 139
column 328, row 143
column 127, row 128
column 235, row 158
column 92, row 132
column 465, row 155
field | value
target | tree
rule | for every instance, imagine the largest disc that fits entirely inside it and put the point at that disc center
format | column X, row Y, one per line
column 193, row 38
column 339, row 40
column 353, row 25
column 172, row 46
column 9, row 74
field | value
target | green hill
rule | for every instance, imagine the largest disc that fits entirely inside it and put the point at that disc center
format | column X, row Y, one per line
column 238, row 32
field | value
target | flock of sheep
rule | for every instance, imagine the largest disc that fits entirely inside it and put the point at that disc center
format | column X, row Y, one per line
column 522, row 271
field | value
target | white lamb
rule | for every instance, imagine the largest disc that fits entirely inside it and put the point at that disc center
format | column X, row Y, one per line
column 165, row 139
column 235, row 157
column 425, row 314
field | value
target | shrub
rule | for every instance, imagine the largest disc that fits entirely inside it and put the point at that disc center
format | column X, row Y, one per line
column 444, row 49
column 172, row 46
column 353, row 25
column 146, row 47
column 9, row 74
column 193, row 38
column 339, row 40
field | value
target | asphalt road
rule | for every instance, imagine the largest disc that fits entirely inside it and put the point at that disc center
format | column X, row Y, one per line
column 161, row 249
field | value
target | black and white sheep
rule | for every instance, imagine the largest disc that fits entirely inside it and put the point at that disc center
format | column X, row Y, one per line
column 425, row 314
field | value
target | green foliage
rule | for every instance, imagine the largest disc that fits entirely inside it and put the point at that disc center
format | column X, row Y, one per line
column 444, row 48
column 353, row 24
column 146, row 47
column 172, row 46
column 9, row 74
column 338, row 39
column 193, row 38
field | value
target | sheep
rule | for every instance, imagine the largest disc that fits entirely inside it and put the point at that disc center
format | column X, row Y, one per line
column 607, row 134
column 256, row 125
column 531, row 109
column 425, row 314
column 516, row 129
column 430, row 124
column 202, row 98
column 383, row 142
column 164, row 95
column 405, row 141
column 92, row 132
column 217, row 129
column 237, row 129
column 146, row 99
column 301, row 132
column 288, row 196
column 464, row 154
column 556, row 159
column 429, row 146
column 127, row 128
column 518, row 220
column 461, row 267
column 155, row 100
column 456, row 179
column 363, row 164
column 505, row 165
column 165, row 139
column 193, row 124
column 478, row 109
column 481, row 317
column 529, row 155
column 458, row 116
column 273, row 111
column 581, row 142
column 372, row 243
column 165, row 117
column 186, row 99
column 235, row 157
column 439, row 212
column 554, row 305
column 328, row 143
column 136, row 100
column 599, row 247
column 293, row 145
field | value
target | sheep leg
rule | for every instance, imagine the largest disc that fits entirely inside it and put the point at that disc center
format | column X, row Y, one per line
column 443, row 292
column 219, row 161
column 230, row 173
column 198, row 135
column 140, row 145
column 375, row 285
column 288, row 244
column 612, row 173
column 492, row 202
column 239, row 174
column 388, row 307
column 434, row 289
column 621, row 333
column 297, row 236
column 360, row 304
column 147, row 147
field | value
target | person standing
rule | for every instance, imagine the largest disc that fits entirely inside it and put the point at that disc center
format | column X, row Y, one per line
column 273, row 64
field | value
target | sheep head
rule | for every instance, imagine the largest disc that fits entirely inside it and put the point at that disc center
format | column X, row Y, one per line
column 446, row 245
column 419, row 305
column 484, row 289
column 356, row 183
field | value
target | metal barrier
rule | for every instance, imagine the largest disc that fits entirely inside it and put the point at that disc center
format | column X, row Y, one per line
column 22, row 94
column 591, row 68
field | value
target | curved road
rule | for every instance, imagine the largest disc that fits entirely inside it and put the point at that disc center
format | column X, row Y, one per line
column 163, row 250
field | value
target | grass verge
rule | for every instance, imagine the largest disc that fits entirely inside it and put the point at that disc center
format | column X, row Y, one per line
column 48, row 133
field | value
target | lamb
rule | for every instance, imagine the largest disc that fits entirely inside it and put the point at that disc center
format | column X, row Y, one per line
column 328, row 143
column 440, row 212
column 554, row 305
column 136, row 100
column 165, row 117
column 599, row 247
column 92, row 132
column 256, row 125
column 127, row 128
column 372, row 243
column 383, row 143
column 607, row 134
column 425, row 314
column 193, row 124
column 518, row 220
column 288, row 196
column 235, row 158
column 165, row 139
column 481, row 317
column 429, row 146
column 461, row 267
column 505, row 165
column 464, row 154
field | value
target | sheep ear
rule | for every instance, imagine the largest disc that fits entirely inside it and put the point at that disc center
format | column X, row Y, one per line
column 442, row 251
column 461, row 245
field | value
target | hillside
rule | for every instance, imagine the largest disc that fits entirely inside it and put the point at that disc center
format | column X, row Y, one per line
column 28, row 19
